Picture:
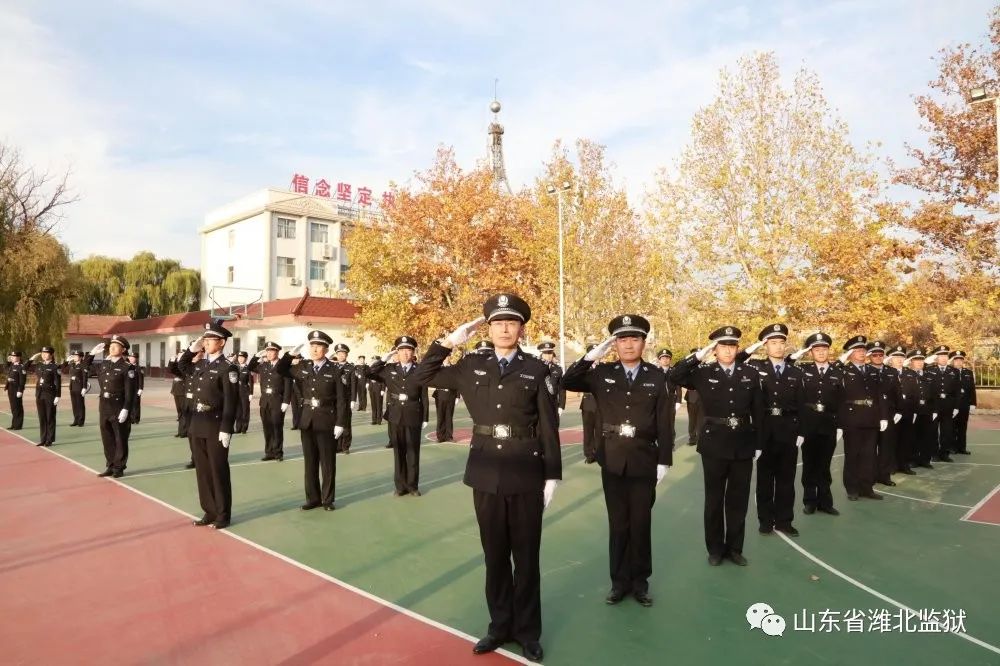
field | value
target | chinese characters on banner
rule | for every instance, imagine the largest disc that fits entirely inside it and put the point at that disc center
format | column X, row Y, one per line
column 343, row 192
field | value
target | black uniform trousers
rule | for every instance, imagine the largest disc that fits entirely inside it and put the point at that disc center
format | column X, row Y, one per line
column 694, row 422
column 181, row 407
column 405, row 442
column 242, row 411
column 924, row 440
column 375, row 393
column 885, row 463
column 114, row 435
column 136, row 414
column 296, row 412
column 961, row 426
column 444, row 406
column 629, row 501
column 16, row 409
column 79, row 405
column 817, row 454
column 859, row 459
column 272, row 419
column 346, row 437
column 319, row 451
column 591, row 434
column 46, row 417
column 510, row 528
column 727, row 495
column 776, row 483
column 945, row 432
column 211, row 466
column 362, row 395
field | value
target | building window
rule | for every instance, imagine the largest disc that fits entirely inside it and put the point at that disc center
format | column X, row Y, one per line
column 261, row 341
column 229, row 275
column 177, row 347
column 148, row 347
column 232, row 238
column 286, row 228
column 317, row 270
column 286, row 267
column 343, row 276
column 163, row 353
column 319, row 233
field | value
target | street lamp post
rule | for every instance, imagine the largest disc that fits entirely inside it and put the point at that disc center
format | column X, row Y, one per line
column 979, row 95
column 552, row 190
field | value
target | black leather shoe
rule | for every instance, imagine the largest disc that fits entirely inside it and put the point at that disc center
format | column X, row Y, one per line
column 389, row 445
column 908, row 472
column 890, row 483
column 829, row 510
column 399, row 493
column 201, row 522
column 533, row 651
column 614, row 597
column 415, row 493
column 329, row 507
column 945, row 458
column 309, row 506
column 714, row 560
column 765, row 529
column 487, row 644
column 105, row 473
column 809, row 509
column 279, row 458
column 219, row 525
column 964, row 453
column 118, row 474
column 190, row 465
column 41, row 444
column 787, row 529
column 926, row 466
column 872, row 495
column 853, row 498
column 738, row 559
column 266, row 458
column 643, row 598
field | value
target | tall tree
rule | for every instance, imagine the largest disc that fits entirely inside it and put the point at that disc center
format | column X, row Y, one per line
column 140, row 287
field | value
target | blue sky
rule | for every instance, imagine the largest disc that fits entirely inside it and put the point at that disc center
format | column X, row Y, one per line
column 164, row 110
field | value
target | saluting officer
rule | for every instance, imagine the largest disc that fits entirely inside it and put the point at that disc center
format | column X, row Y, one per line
column 78, row 384
column 349, row 372
column 324, row 413
column 946, row 385
column 187, row 402
column 861, row 416
column 48, row 389
column 591, row 422
column 407, row 410
column 548, row 354
column 245, row 389
column 178, row 389
column 664, row 359
column 116, row 380
column 275, row 398
column 821, row 393
column 16, row 380
column 919, row 434
column 213, row 415
column 891, row 387
column 636, row 405
column 444, row 409
column 376, row 392
column 514, row 463
column 361, row 384
column 693, row 412
column 140, row 384
column 731, row 438
column 966, row 401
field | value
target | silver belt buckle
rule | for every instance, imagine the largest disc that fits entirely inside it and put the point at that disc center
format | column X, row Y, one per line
column 626, row 430
column 106, row 394
column 733, row 422
column 944, row 395
column 776, row 411
column 200, row 408
column 42, row 381
column 402, row 397
column 820, row 407
column 189, row 396
column 268, row 391
column 869, row 403
column 501, row 432
column 177, row 379
column 923, row 402
column 314, row 402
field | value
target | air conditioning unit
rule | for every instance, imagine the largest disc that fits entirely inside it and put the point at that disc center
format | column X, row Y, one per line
column 295, row 282
column 329, row 252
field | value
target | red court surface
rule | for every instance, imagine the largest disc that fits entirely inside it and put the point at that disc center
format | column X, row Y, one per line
column 987, row 511
column 91, row 572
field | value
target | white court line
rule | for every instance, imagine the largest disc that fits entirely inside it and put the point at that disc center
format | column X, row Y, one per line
column 336, row 581
column 978, row 506
column 927, row 501
column 958, row 462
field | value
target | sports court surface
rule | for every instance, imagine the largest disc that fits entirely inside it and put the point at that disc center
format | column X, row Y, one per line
column 100, row 571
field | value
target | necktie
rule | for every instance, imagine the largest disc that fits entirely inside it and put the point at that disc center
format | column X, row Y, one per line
column 729, row 372
column 503, row 366
column 778, row 369
column 822, row 371
column 629, row 376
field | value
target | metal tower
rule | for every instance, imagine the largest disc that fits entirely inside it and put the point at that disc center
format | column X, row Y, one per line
column 496, row 147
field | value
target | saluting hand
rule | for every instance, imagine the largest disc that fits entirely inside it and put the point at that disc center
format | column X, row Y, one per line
column 197, row 345
column 600, row 351
column 462, row 334
column 799, row 354
column 98, row 349
column 706, row 351
column 754, row 347
column 34, row 357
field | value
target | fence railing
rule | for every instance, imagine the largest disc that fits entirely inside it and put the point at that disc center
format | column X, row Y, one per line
column 987, row 374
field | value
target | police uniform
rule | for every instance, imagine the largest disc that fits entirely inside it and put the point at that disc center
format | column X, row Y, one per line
column 918, row 436
column 784, row 402
column 48, row 388
column 296, row 405
column 821, row 390
column 324, row 408
column 444, row 411
column 135, row 414
column 407, row 408
column 945, row 380
column 361, row 385
column 591, row 424
column 376, row 391
column 484, row 347
column 15, row 381
column 348, row 372
column 78, row 385
column 117, row 385
column 966, row 402
column 213, row 412
column 906, row 408
column 636, row 405
column 275, row 398
column 514, row 450
column 178, row 389
column 556, row 371
column 891, row 387
column 675, row 393
column 859, row 414
column 693, row 412
column 732, row 430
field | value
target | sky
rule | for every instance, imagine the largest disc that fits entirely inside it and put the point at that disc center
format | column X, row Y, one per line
column 163, row 110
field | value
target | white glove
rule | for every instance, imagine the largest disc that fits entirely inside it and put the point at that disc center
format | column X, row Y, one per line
column 883, row 425
column 661, row 473
column 600, row 351
column 705, row 351
column 297, row 350
column 139, row 392
column 55, row 401
column 382, row 393
column 354, row 405
column 548, row 492
column 284, row 406
column 896, row 418
column 972, row 409
column 843, row 357
column 19, row 395
column 754, row 347
column 934, row 416
column 225, row 438
column 423, row 425
column 560, row 410
column 461, row 335
column 799, row 441
column 34, row 357
column 756, row 454
column 914, row 418
column 83, row 391
column 677, row 406
column 98, row 349
column 337, row 431
column 954, row 413
column 840, row 434
column 197, row 345
column 261, row 354
column 799, row 354
column 122, row 416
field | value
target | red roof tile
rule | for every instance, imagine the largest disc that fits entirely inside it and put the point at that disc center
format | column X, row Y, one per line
column 87, row 324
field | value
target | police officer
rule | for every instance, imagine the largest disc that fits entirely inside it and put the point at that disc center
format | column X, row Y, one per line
column 861, row 416
column 48, row 389
column 324, row 414
column 213, row 417
column 693, row 412
column 920, row 435
column 349, row 372
column 891, row 387
column 548, row 354
column 275, row 398
column 514, row 463
column 407, row 410
column 140, row 384
column 636, row 405
column 906, row 408
column 245, row 389
column 966, row 401
column 15, row 382
column 376, row 391
column 731, row 438
column 821, row 395
column 178, row 389
column 591, row 423
column 946, row 385
column 444, row 409
column 664, row 359
column 296, row 405
column 116, row 380
column 78, row 384
column 361, row 384
column 187, row 401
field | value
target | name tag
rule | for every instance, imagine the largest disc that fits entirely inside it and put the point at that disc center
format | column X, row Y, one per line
column 478, row 372
column 526, row 376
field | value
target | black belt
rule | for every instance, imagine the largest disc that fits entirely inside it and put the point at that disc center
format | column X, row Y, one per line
column 317, row 402
column 501, row 431
column 816, row 406
column 731, row 421
column 778, row 411
column 113, row 396
column 621, row 429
